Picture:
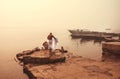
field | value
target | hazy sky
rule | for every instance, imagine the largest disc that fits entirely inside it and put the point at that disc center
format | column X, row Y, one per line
column 59, row 13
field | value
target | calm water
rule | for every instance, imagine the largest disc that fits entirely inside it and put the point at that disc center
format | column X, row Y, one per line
column 14, row 41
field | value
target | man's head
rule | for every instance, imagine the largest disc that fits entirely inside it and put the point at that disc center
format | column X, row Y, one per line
column 50, row 33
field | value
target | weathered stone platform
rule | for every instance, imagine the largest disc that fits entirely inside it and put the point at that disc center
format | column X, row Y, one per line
column 74, row 68
column 41, row 64
column 111, row 48
column 41, row 56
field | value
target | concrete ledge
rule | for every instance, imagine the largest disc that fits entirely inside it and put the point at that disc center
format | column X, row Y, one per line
column 74, row 68
column 28, row 72
column 41, row 57
column 46, row 60
column 111, row 47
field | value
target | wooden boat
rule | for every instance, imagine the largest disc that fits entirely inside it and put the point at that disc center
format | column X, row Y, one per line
column 90, row 34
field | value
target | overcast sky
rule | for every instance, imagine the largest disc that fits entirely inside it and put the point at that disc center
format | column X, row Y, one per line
column 59, row 13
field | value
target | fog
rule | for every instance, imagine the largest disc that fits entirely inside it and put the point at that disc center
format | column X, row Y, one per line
column 25, row 24
column 54, row 14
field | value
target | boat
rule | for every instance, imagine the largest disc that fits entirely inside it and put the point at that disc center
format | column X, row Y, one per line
column 91, row 34
column 112, row 40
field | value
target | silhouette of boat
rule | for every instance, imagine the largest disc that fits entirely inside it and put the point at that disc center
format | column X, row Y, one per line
column 91, row 34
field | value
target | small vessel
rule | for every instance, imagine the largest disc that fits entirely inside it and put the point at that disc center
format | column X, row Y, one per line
column 91, row 34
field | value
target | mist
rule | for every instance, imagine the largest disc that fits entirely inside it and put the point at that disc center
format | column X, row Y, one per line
column 54, row 14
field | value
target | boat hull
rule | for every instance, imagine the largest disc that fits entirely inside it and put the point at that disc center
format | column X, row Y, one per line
column 91, row 34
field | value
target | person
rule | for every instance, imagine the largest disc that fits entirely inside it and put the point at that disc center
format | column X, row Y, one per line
column 49, row 37
column 45, row 45
column 52, row 42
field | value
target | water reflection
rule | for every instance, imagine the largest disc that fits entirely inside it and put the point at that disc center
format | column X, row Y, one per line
column 87, row 47
column 85, row 40
column 96, row 43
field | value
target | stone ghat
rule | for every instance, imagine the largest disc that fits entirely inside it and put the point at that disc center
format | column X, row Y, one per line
column 41, row 56
column 74, row 68
column 111, row 48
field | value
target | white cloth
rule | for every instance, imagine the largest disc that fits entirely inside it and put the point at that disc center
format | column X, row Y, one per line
column 54, row 44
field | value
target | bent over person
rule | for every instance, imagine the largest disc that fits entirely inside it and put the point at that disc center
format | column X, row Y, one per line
column 45, row 44
column 52, row 42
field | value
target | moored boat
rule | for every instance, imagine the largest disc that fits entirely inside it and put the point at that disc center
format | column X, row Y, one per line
column 91, row 34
